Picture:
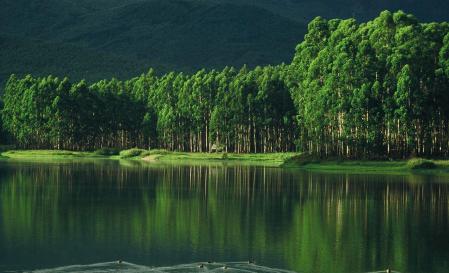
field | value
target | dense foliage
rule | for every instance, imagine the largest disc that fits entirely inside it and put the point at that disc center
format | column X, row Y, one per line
column 247, row 111
column 370, row 90
column 375, row 89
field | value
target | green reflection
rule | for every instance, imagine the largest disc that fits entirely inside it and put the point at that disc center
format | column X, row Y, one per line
column 169, row 214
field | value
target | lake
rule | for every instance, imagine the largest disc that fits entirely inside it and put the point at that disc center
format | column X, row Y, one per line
column 95, row 212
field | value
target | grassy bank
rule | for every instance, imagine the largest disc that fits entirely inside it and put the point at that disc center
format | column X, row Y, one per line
column 46, row 155
column 286, row 160
column 414, row 165
column 354, row 166
column 272, row 159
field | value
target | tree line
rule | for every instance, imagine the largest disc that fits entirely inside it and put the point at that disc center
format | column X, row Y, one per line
column 244, row 111
column 371, row 90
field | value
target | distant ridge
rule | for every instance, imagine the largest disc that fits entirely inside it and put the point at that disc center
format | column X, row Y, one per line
column 182, row 35
column 27, row 56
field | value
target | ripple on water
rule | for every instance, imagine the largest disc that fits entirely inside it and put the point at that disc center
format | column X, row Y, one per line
column 182, row 268
column 193, row 267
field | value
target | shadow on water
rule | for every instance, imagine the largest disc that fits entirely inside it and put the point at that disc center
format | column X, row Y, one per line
column 83, row 212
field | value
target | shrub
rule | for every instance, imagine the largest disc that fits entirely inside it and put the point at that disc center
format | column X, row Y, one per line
column 132, row 153
column 157, row 152
column 154, row 152
column 301, row 160
column 5, row 148
column 107, row 151
column 420, row 163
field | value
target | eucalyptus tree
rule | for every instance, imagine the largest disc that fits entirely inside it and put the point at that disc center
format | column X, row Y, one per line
column 353, row 90
column 371, row 89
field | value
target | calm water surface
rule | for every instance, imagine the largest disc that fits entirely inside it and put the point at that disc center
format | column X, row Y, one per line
column 58, row 214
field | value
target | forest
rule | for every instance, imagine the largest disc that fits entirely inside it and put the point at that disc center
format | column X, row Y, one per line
column 377, row 90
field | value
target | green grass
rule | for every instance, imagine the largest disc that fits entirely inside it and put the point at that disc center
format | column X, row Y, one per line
column 286, row 160
column 272, row 159
column 420, row 164
column 414, row 165
column 134, row 152
column 355, row 166
column 45, row 154
column 161, row 156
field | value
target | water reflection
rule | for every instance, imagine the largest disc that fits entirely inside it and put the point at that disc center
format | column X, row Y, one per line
column 86, row 212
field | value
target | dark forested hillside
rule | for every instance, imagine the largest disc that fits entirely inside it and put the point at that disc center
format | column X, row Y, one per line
column 305, row 10
column 28, row 56
column 183, row 35
column 188, row 35
column 180, row 35
column 378, row 89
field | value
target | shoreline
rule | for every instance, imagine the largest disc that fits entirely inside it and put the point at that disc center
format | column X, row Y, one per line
column 281, row 160
column 154, row 156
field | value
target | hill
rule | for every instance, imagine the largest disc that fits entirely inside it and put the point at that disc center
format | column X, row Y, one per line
column 187, row 35
column 304, row 11
column 181, row 35
column 27, row 56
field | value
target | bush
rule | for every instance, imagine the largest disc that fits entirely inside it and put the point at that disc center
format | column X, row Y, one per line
column 420, row 163
column 301, row 160
column 5, row 148
column 107, row 151
column 156, row 152
column 132, row 153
